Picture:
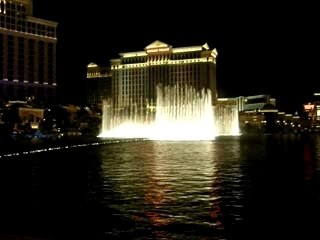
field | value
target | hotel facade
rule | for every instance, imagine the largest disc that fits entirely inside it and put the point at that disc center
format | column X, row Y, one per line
column 137, row 75
column 27, row 52
column 98, row 83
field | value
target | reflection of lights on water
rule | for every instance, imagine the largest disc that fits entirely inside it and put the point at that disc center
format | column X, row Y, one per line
column 308, row 162
column 172, row 181
column 158, row 220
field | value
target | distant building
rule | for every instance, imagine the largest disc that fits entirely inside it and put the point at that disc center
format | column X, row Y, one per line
column 98, row 83
column 136, row 75
column 31, row 116
column 27, row 52
column 258, row 113
column 311, row 111
column 258, row 103
column 316, row 110
column 235, row 102
column 22, row 115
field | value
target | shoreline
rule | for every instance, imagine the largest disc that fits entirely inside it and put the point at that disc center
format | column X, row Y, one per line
column 19, row 146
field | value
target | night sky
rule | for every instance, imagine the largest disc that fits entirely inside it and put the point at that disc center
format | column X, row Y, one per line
column 263, row 49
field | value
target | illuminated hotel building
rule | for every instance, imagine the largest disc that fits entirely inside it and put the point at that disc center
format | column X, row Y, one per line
column 98, row 83
column 27, row 52
column 136, row 75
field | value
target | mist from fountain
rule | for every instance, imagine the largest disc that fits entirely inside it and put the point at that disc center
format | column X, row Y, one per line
column 227, row 120
column 180, row 114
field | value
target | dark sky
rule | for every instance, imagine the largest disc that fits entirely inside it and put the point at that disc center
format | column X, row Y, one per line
column 263, row 49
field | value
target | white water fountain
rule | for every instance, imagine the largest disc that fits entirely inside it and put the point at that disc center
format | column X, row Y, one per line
column 180, row 114
column 227, row 120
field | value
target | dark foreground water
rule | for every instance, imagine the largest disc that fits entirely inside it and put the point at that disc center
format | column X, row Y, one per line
column 247, row 187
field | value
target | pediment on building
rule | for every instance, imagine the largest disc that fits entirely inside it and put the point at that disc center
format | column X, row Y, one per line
column 205, row 46
column 92, row 64
column 157, row 44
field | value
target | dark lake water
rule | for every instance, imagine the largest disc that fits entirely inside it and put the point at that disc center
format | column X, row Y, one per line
column 245, row 187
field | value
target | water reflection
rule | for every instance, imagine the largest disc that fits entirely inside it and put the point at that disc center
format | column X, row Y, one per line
column 169, row 189
column 180, row 180
column 230, row 188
